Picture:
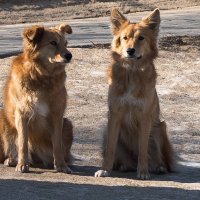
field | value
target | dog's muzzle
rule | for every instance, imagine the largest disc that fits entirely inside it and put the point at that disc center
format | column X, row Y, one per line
column 68, row 57
column 131, row 54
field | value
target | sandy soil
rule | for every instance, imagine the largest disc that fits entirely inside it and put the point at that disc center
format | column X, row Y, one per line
column 178, row 89
column 24, row 11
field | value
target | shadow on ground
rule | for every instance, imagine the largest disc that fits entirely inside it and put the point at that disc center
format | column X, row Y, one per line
column 183, row 173
column 22, row 189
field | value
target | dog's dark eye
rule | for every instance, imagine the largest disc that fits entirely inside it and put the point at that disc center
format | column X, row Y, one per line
column 141, row 38
column 125, row 38
column 54, row 43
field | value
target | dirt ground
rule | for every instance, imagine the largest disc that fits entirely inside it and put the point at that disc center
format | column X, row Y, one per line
column 24, row 11
column 178, row 89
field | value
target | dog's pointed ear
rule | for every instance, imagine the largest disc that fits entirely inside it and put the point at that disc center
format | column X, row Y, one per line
column 153, row 20
column 64, row 28
column 34, row 33
column 117, row 20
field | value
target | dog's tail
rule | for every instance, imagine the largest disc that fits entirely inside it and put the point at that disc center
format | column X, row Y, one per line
column 167, row 149
column 1, row 132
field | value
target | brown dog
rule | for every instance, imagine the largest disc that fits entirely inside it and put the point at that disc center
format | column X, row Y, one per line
column 32, row 127
column 136, row 137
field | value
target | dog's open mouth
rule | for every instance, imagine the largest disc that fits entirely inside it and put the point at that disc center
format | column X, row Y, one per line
column 67, row 61
column 64, row 61
column 139, row 57
column 134, row 57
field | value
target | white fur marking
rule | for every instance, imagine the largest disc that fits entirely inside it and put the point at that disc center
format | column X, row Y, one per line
column 42, row 108
column 102, row 173
column 128, row 98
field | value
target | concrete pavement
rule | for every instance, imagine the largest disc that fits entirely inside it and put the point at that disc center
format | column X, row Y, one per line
column 97, row 30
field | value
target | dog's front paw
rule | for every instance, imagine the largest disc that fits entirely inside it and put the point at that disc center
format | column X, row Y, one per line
column 102, row 173
column 143, row 174
column 161, row 170
column 23, row 168
column 10, row 162
column 123, row 168
column 64, row 169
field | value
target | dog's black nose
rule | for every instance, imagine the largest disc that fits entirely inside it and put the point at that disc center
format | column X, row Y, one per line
column 68, row 56
column 130, row 51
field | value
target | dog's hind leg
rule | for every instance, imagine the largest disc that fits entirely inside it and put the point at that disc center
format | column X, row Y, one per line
column 156, row 164
column 8, row 150
column 1, row 151
column 67, row 134
column 167, row 149
column 160, row 151
column 2, row 156
column 10, row 147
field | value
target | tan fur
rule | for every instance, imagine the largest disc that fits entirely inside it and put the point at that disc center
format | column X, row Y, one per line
column 32, row 128
column 136, row 138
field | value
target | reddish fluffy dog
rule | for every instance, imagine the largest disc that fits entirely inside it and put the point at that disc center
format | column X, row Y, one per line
column 136, row 137
column 32, row 127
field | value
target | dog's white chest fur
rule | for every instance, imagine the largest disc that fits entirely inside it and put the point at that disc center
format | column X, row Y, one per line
column 38, row 106
column 32, row 105
column 41, row 108
column 129, row 98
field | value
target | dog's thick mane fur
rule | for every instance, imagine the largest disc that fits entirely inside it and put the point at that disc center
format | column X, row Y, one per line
column 36, row 77
column 35, row 98
column 136, row 137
